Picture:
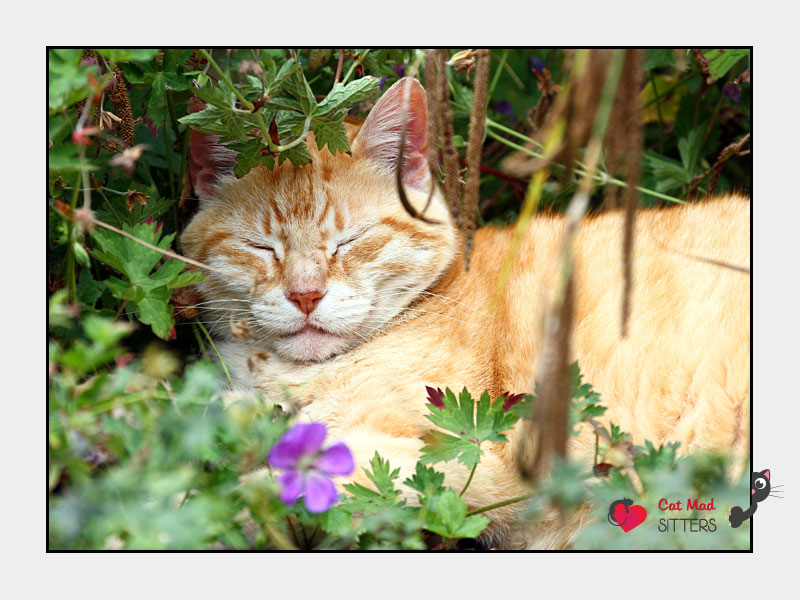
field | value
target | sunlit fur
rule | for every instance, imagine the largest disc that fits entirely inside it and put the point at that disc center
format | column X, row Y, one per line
column 404, row 315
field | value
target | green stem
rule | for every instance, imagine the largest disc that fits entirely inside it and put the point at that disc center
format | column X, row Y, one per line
column 170, row 170
column 469, row 479
column 71, row 279
column 120, row 309
column 219, row 356
column 660, row 117
column 300, row 139
column 497, row 72
column 600, row 176
column 596, row 447
column 226, row 79
column 265, row 133
column 172, row 115
column 352, row 68
column 499, row 504
column 184, row 158
column 199, row 339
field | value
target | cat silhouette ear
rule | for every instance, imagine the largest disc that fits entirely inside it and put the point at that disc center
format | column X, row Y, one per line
column 766, row 473
column 209, row 160
column 379, row 137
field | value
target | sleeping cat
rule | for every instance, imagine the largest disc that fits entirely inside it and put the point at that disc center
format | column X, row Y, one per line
column 354, row 307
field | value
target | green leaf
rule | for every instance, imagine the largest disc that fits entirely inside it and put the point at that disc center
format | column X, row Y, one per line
column 283, row 103
column 297, row 155
column 201, row 383
column 722, row 60
column 105, row 332
column 275, row 78
column 335, row 520
column 689, row 148
column 472, row 425
column 447, row 516
column 364, row 499
column 427, row 481
column 296, row 84
column 148, row 290
column 343, row 96
column 670, row 175
column 185, row 279
column 64, row 159
column 89, row 290
column 174, row 59
column 67, row 81
column 659, row 57
column 128, row 54
column 155, row 311
column 524, row 408
column 585, row 403
column 318, row 56
column 330, row 131
column 156, row 100
column 249, row 155
column 220, row 116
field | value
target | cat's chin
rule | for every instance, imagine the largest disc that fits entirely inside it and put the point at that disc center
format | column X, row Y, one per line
column 311, row 344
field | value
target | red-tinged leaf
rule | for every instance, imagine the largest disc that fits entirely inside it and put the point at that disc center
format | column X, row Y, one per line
column 435, row 396
column 510, row 400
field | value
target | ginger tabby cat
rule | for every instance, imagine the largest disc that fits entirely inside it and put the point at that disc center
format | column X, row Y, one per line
column 355, row 307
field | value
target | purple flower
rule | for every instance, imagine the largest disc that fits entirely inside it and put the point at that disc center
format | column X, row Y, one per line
column 400, row 70
column 732, row 91
column 307, row 468
column 503, row 107
column 536, row 64
column 382, row 82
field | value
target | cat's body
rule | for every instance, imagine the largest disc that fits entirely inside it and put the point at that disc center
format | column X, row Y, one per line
column 357, row 334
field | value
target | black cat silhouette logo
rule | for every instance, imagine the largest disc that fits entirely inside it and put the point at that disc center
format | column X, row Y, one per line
column 760, row 490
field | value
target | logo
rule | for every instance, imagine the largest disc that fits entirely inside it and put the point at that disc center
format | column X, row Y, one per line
column 761, row 488
column 625, row 514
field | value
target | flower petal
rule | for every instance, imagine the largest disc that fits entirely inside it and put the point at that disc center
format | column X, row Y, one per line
column 301, row 440
column 336, row 460
column 320, row 493
column 291, row 484
column 309, row 437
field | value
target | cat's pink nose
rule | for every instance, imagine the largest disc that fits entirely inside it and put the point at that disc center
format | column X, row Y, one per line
column 306, row 301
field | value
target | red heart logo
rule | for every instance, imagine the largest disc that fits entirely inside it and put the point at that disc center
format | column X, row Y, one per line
column 633, row 517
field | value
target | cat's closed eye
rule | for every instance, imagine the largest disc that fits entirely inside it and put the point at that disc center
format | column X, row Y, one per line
column 344, row 245
column 258, row 246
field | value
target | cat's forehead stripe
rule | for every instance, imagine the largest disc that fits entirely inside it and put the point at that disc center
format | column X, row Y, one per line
column 409, row 229
column 210, row 242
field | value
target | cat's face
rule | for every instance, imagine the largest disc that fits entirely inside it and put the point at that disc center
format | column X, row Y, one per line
column 320, row 258
column 759, row 486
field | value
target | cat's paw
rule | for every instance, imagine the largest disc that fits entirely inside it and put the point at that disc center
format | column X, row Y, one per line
column 736, row 517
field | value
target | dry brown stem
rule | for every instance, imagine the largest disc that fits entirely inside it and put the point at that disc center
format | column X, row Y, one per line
column 477, row 126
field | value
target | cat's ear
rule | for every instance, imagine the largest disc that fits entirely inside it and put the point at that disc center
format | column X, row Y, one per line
column 209, row 160
column 379, row 137
column 765, row 473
